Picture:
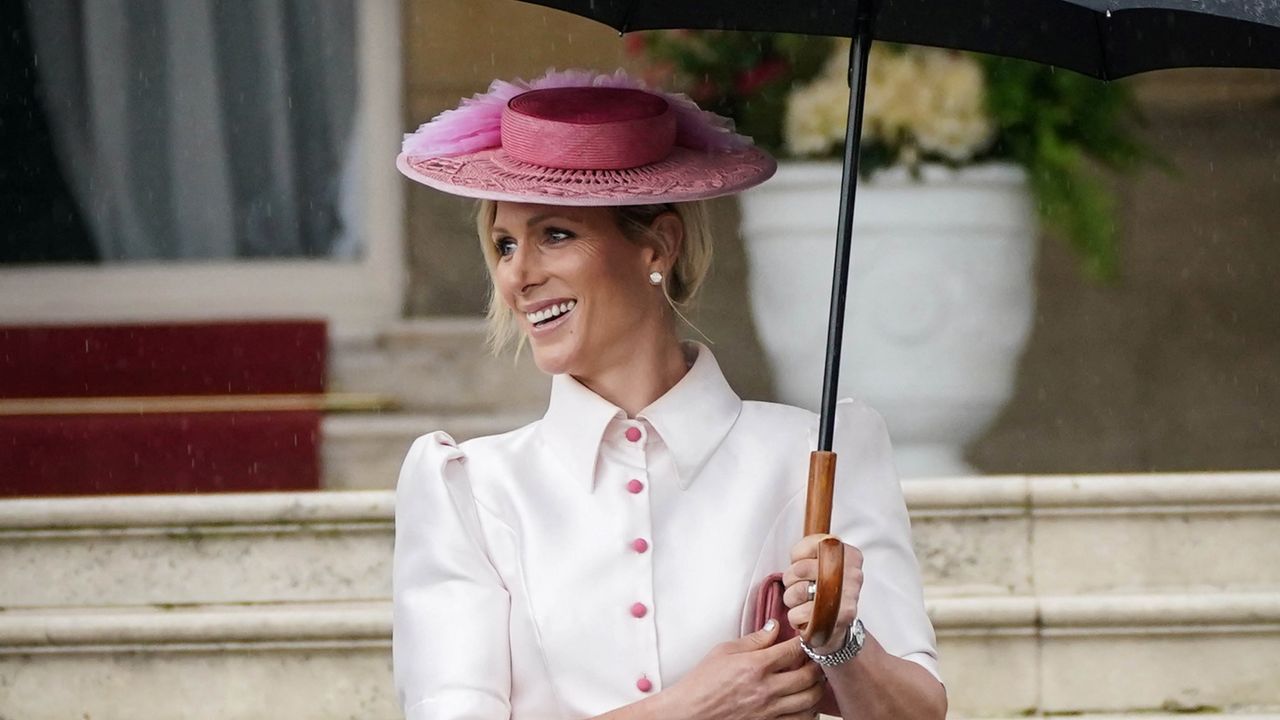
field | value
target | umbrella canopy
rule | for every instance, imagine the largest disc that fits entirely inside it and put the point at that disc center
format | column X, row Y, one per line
column 1106, row 39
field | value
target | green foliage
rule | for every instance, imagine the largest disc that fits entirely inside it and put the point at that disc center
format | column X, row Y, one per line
column 1059, row 125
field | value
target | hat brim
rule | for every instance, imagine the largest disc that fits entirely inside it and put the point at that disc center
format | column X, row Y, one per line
column 684, row 175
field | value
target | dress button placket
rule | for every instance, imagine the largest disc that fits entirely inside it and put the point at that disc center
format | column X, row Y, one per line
column 634, row 440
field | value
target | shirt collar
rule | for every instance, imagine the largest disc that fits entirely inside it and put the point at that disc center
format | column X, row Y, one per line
column 692, row 418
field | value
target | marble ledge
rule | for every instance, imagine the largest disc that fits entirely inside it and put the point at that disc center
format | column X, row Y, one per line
column 210, row 509
column 357, row 622
column 967, row 496
column 1161, row 614
column 1141, row 493
column 200, row 625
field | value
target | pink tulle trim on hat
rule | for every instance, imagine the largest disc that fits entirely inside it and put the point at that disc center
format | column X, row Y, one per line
column 476, row 124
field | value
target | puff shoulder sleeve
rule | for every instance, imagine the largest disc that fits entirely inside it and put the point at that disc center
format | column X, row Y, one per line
column 869, row 512
column 450, row 647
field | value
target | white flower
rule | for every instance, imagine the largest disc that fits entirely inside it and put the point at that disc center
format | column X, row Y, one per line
column 921, row 101
column 955, row 124
column 897, row 95
column 816, row 117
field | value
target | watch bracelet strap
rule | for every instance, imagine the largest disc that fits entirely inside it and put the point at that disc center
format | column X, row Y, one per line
column 847, row 652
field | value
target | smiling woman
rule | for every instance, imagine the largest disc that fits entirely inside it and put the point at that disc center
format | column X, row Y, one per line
column 606, row 560
column 633, row 225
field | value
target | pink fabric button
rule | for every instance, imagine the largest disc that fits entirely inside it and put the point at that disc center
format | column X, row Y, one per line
column 643, row 685
column 639, row 610
column 635, row 486
column 633, row 434
column 639, row 545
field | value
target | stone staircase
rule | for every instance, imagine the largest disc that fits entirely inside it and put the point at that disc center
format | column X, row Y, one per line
column 443, row 378
column 1063, row 595
column 1116, row 595
column 218, row 606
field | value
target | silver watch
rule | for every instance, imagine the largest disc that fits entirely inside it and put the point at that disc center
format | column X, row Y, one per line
column 853, row 641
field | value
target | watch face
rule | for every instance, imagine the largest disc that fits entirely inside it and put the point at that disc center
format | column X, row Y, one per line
column 859, row 634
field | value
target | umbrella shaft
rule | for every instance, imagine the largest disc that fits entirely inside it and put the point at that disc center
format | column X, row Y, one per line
column 858, row 54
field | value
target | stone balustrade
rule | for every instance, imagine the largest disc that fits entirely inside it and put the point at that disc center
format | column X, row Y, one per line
column 1058, row 595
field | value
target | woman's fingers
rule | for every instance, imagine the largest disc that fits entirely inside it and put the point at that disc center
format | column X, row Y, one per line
column 797, row 691
column 792, row 681
column 797, row 577
column 798, row 703
column 800, row 615
column 852, row 557
column 783, row 656
column 800, row 571
column 807, row 547
column 797, row 594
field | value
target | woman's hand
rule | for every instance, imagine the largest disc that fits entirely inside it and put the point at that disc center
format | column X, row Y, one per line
column 749, row 678
column 804, row 568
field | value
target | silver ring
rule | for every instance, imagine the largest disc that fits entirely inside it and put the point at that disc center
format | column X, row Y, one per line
column 812, row 590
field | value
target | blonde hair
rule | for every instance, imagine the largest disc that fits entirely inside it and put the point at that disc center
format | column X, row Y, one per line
column 636, row 223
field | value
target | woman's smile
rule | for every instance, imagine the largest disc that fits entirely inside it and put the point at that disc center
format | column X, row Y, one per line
column 549, row 316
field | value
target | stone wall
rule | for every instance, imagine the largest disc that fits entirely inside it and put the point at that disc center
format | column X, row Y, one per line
column 1174, row 367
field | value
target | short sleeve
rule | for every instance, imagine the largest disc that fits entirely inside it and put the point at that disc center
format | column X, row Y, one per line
column 869, row 512
column 450, row 648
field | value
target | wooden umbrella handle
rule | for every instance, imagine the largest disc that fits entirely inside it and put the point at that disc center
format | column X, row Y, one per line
column 817, row 519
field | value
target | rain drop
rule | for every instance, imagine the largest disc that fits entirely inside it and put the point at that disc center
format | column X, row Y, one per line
column 1108, row 13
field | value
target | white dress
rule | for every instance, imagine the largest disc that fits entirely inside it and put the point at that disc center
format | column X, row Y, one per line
column 576, row 564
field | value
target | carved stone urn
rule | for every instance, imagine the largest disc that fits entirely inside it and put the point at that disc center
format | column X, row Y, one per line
column 940, row 299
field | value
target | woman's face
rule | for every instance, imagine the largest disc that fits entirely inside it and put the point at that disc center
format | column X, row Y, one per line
column 578, row 286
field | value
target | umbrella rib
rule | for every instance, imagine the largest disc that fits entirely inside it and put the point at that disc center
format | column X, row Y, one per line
column 1102, row 47
column 626, row 17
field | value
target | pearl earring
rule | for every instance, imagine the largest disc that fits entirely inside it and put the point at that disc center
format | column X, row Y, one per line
column 655, row 278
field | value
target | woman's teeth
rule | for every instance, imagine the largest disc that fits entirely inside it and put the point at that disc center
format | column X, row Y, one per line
column 553, row 311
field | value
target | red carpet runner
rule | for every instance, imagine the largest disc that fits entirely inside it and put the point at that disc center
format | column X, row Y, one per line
column 196, row 450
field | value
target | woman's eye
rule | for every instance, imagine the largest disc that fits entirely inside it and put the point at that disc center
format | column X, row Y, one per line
column 558, row 235
column 505, row 246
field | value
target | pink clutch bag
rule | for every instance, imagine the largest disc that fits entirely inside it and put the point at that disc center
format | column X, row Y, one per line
column 768, row 606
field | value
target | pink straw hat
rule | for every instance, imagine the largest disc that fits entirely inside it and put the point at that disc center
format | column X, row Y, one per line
column 580, row 138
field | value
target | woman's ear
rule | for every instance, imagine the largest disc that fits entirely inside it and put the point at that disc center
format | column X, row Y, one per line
column 668, row 238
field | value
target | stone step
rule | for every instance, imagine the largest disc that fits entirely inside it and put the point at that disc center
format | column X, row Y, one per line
column 985, row 537
column 195, row 549
column 438, row 365
column 1015, row 656
column 443, row 378
column 1106, row 653
column 364, row 451
column 321, row 661
column 1140, row 533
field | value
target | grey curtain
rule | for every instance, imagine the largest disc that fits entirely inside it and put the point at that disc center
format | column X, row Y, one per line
column 204, row 128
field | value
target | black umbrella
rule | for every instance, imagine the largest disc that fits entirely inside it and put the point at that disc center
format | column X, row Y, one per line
column 1106, row 39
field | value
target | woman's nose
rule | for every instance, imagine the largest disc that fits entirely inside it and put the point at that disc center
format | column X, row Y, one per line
column 526, row 272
